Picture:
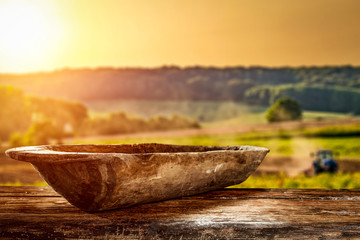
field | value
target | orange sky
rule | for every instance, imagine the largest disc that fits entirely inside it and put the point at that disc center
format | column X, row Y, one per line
column 53, row 34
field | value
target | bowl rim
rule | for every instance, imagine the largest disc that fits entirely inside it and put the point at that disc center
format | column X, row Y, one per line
column 46, row 153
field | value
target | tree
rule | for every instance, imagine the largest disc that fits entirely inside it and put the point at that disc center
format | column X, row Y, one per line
column 39, row 133
column 62, row 113
column 14, row 112
column 284, row 109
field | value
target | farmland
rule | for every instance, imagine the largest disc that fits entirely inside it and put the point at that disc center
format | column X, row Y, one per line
column 209, row 113
column 290, row 143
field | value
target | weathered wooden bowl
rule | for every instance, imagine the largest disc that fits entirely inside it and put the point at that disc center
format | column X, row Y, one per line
column 102, row 177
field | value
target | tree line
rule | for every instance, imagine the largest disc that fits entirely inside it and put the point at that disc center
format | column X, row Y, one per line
column 32, row 120
column 189, row 83
column 174, row 83
column 310, row 97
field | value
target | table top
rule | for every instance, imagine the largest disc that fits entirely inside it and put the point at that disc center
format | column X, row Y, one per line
column 38, row 212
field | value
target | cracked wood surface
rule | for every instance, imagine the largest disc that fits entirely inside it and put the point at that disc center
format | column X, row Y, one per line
column 37, row 213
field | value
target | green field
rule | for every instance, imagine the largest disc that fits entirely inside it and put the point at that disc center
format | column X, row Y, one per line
column 210, row 113
column 282, row 143
column 287, row 146
column 203, row 111
column 326, row 180
column 346, row 147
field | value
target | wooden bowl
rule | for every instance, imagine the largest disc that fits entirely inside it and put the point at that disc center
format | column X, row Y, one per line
column 103, row 177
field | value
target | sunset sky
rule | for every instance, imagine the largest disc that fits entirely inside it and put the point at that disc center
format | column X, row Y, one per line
column 43, row 35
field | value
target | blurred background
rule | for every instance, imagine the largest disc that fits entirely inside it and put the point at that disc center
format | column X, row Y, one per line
column 278, row 74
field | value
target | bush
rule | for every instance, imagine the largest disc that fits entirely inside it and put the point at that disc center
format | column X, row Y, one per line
column 14, row 114
column 62, row 113
column 39, row 133
column 119, row 123
column 284, row 109
column 16, row 140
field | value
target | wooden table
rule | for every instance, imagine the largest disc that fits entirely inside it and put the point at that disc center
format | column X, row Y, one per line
column 37, row 213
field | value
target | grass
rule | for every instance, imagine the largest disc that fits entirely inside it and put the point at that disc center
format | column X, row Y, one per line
column 347, row 147
column 326, row 180
column 204, row 111
column 278, row 146
column 246, row 119
column 344, row 146
column 333, row 131
column 220, row 114
column 210, row 113
column 280, row 142
column 313, row 115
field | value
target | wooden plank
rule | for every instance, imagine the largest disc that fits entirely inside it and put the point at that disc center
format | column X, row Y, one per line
column 31, row 212
column 8, row 191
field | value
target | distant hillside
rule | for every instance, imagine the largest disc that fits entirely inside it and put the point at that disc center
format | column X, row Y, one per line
column 311, row 97
column 174, row 83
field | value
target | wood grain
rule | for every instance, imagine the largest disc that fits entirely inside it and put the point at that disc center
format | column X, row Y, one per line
column 36, row 213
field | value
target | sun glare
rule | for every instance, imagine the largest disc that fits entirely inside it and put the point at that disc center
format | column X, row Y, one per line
column 29, row 34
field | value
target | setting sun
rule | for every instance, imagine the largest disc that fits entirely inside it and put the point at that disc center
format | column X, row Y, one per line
column 41, row 35
column 29, row 34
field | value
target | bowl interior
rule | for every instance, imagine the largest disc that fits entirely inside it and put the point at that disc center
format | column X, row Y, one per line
column 90, row 152
column 136, row 148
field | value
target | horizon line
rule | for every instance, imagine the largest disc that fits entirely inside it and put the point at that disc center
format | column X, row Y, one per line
column 164, row 66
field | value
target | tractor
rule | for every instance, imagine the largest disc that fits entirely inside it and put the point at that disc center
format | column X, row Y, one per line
column 324, row 162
